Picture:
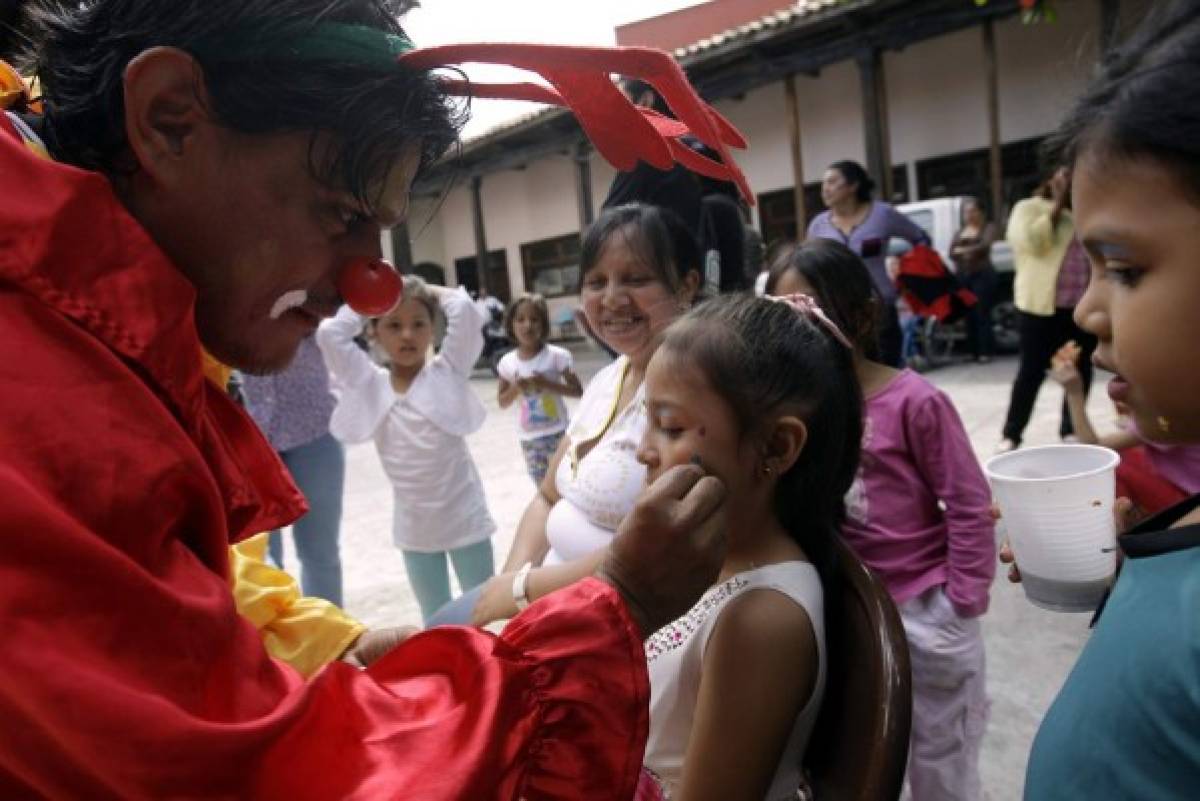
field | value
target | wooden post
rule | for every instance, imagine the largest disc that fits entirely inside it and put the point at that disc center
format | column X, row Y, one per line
column 481, row 251
column 874, row 99
column 995, row 161
column 583, row 185
column 886, row 180
column 793, row 118
column 402, row 248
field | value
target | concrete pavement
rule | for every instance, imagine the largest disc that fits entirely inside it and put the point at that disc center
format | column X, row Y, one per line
column 1029, row 651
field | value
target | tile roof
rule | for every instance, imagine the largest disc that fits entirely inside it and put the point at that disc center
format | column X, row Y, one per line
column 506, row 126
column 778, row 19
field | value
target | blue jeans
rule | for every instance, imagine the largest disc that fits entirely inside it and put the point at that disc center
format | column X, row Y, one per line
column 430, row 578
column 318, row 468
column 458, row 612
column 979, row 318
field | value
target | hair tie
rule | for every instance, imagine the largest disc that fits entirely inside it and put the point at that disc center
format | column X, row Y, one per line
column 807, row 306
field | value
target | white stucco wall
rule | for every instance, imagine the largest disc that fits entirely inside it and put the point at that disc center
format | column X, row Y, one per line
column 830, row 111
column 519, row 206
column 831, row 121
column 425, row 233
column 758, row 115
column 1044, row 67
column 603, row 174
column 937, row 97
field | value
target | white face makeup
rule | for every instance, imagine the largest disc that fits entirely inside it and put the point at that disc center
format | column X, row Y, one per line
column 288, row 301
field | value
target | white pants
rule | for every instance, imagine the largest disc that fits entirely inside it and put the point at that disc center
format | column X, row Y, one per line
column 950, row 704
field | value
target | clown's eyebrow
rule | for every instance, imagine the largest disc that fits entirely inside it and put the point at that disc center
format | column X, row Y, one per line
column 385, row 218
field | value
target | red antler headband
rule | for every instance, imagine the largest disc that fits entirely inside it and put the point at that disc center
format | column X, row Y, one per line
column 622, row 132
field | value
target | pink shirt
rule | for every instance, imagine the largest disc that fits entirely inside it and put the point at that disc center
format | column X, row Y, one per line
column 918, row 513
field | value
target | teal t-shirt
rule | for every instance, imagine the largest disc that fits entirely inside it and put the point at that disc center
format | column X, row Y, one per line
column 1126, row 724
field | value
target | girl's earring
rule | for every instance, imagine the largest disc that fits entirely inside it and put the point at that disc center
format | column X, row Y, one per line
column 767, row 470
column 1164, row 425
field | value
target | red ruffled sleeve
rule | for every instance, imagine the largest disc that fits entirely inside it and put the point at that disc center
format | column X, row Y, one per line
column 117, row 685
column 555, row 708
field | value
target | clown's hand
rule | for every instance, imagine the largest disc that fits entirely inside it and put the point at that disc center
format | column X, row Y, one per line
column 374, row 643
column 670, row 548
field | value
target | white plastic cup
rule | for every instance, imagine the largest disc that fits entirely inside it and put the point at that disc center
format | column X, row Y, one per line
column 1057, row 506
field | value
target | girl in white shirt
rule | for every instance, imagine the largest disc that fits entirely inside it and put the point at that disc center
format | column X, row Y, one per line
column 537, row 375
column 762, row 393
column 419, row 413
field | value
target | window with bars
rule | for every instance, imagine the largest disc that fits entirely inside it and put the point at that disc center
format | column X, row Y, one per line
column 497, row 275
column 969, row 173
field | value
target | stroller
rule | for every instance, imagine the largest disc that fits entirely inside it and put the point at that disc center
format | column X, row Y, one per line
column 937, row 301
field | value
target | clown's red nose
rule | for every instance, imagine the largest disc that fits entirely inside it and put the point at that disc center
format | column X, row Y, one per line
column 371, row 287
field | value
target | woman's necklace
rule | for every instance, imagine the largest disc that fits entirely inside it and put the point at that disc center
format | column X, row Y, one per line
column 578, row 450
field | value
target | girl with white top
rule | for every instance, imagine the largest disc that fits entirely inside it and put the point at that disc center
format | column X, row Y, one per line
column 763, row 395
column 538, row 375
column 419, row 413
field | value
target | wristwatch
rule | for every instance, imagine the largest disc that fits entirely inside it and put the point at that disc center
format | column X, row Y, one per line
column 519, row 591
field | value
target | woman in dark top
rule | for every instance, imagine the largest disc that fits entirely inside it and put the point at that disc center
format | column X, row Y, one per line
column 971, row 252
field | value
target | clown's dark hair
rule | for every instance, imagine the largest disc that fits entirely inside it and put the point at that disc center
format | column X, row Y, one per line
column 369, row 117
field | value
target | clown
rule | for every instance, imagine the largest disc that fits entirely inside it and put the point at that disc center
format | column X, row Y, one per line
column 217, row 171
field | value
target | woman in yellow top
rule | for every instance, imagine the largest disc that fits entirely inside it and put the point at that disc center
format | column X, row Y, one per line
column 1051, row 276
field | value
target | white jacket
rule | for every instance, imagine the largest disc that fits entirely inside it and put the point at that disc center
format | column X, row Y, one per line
column 440, row 503
column 440, row 392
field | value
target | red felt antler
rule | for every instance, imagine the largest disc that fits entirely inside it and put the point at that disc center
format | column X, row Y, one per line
column 622, row 132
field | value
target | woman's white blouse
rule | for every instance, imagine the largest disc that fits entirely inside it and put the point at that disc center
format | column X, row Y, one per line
column 598, row 490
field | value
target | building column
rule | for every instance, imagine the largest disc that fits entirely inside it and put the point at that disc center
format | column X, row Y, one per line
column 583, row 185
column 481, row 250
column 875, row 113
column 793, row 117
column 995, row 161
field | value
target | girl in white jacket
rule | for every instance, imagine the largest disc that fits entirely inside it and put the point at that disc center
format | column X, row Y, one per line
column 419, row 413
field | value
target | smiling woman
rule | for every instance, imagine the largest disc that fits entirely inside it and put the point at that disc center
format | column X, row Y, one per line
column 640, row 271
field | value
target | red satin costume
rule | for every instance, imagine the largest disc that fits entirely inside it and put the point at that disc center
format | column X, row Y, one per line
column 125, row 671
